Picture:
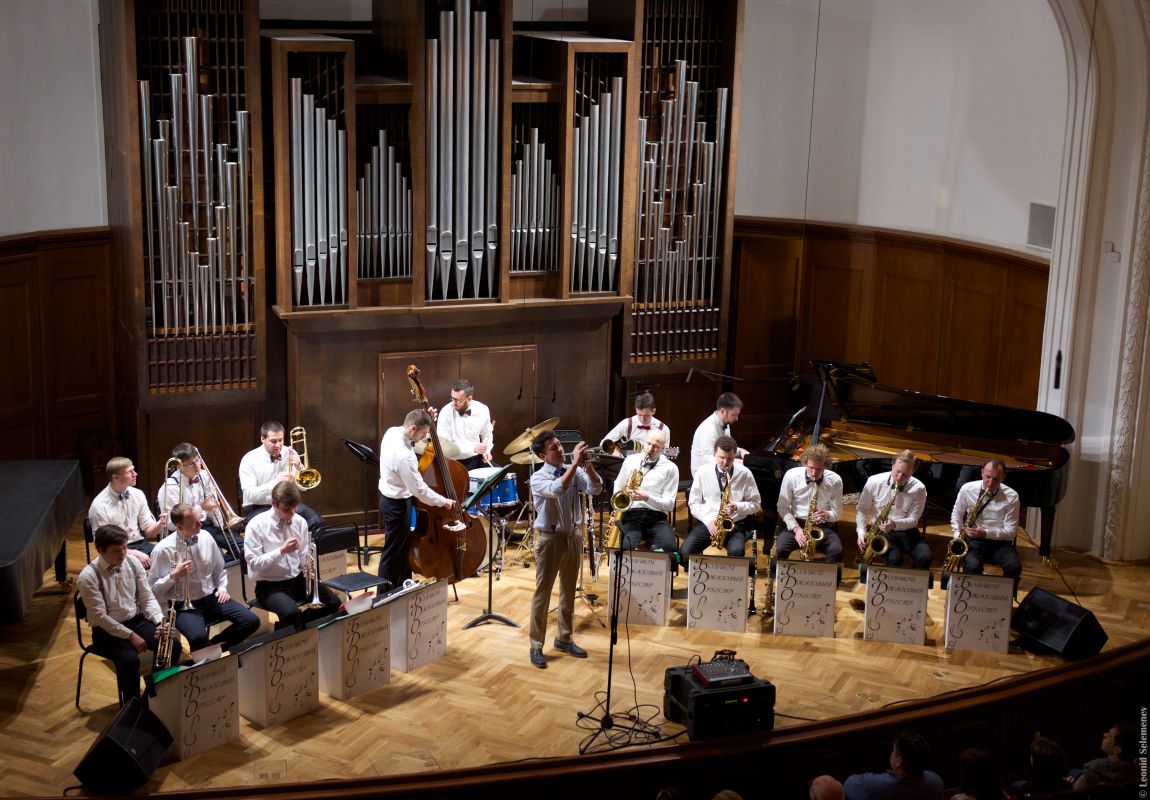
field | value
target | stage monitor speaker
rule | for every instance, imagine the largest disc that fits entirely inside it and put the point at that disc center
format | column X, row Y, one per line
column 569, row 438
column 126, row 753
column 1049, row 624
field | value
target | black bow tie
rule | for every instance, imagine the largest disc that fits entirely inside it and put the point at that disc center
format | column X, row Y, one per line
column 124, row 495
column 276, row 457
column 814, row 480
column 466, row 413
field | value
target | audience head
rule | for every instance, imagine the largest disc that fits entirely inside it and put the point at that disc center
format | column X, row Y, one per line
column 1047, row 758
column 825, row 787
column 910, row 754
column 1118, row 742
column 977, row 776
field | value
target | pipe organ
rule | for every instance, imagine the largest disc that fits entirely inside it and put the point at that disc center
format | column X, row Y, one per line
column 534, row 204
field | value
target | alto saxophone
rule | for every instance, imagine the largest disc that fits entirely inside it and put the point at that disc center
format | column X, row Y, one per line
column 620, row 502
column 875, row 544
column 724, row 523
column 958, row 546
column 813, row 532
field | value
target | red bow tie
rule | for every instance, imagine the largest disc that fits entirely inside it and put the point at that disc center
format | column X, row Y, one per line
column 642, row 427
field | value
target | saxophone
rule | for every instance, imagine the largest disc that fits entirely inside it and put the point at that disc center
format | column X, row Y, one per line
column 958, row 546
column 769, row 593
column 724, row 523
column 814, row 532
column 620, row 502
column 875, row 544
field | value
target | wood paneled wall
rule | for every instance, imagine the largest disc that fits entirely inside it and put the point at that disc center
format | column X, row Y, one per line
column 931, row 314
column 55, row 322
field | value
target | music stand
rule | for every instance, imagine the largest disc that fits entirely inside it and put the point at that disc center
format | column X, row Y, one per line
column 483, row 490
column 367, row 457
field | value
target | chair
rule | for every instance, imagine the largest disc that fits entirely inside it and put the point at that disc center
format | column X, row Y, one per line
column 89, row 540
column 346, row 537
column 81, row 615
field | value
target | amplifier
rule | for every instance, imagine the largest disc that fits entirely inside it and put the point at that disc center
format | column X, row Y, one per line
column 718, row 710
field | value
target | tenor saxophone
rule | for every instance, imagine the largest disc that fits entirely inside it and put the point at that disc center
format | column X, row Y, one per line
column 620, row 502
column 958, row 546
column 814, row 532
column 724, row 523
column 875, row 544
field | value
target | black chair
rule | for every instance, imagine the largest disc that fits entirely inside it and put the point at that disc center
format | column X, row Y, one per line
column 346, row 537
column 89, row 540
column 81, row 615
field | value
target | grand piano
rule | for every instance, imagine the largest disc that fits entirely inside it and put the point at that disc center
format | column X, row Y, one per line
column 952, row 438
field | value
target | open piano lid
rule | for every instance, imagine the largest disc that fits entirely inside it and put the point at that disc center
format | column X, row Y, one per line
column 860, row 398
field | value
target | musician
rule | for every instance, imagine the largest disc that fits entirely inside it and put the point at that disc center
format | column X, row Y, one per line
column 264, row 468
column 466, row 423
column 186, row 557
column 276, row 551
column 555, row 489
column 399, row 482
column 995, row 525
column 122, row 610
column 189, row 485
column 122, row 504
column 795, row 502
column 635, row 428
column 706, row 492
column 727, row 409
column 901, row 525
column 646, row 519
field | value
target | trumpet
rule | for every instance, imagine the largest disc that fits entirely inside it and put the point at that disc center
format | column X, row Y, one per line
column 165, row 635
column 814, row 532
column 308, row 477
column 311, row 578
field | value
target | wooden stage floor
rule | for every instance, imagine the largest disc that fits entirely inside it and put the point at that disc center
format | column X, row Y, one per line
column 484, row 703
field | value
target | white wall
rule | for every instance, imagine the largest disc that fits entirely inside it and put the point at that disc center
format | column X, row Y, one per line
column 51, row 140
column 927, row 114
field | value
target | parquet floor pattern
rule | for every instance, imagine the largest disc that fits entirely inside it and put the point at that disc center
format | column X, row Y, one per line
column 484, row 703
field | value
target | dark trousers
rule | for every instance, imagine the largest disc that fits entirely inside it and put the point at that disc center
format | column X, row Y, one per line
column 473, row 462
column 831, row 544
column 907, row 543
column 395, row 516
column 699, row 538
column 143, row 545
column 125, row 657
column 283, row 598
column 315, row 523
column 225, row 541
column 648, row 525
column 193, row 622
column 997, row 552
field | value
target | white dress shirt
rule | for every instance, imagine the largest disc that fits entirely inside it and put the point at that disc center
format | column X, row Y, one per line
column 634, row 429
column 465, row 430
column 131, row 512
column 795, row 496
column 705, row 494
column 399, row 476
column 999, row 517
column 905, row 512
column 661, row 483
column 177, row 489
column 113, row 595
column 703, row 444
column 263, row 538
column 259, row 475
column 208, row 573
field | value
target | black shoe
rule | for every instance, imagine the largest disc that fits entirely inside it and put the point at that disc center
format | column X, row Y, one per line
column 537, row 658
column 570, row 648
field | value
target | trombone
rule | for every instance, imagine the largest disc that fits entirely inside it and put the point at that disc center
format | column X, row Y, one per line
column 308, row 477
column 172, row 469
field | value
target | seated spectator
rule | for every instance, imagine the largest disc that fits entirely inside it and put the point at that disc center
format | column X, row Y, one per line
column 977, row 777
column 824, row 787
column 1117, row 768
column 907, row 779
column 1047, row 770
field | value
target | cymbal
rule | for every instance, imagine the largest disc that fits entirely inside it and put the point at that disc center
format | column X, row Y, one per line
column 525, row 457
column 523, row 440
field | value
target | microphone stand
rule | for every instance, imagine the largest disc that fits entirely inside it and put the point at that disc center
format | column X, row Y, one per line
column 367, row 457
column 488, row 615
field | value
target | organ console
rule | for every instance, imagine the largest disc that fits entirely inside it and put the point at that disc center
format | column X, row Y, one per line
column 952, row 438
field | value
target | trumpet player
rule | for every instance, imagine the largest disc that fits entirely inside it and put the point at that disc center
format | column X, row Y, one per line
column 122, row 504
column 991, row 536
column 190, row 484
column 276, row 552
column 900, row 526
column 743, row 503
column 794, row 506
column 645, row 520
column 122, row 610
column 264, row 468
column 185, row 563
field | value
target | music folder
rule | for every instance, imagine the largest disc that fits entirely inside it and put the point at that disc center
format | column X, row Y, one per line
column 199, row 704
column 279, row 676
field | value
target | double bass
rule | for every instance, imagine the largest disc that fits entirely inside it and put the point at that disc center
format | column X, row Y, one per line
column 449, row 542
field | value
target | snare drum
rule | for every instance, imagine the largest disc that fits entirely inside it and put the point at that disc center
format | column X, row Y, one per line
column 504, row 493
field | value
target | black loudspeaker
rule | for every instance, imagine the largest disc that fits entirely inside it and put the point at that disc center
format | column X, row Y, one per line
column 1049, row 624
column 569, row 438
column 126, row 753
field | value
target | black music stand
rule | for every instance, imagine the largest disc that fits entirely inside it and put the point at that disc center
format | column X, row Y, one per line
column 367, row 458
column 484, row 490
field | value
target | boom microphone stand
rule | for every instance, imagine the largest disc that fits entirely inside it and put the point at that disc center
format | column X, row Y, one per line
column 483, row 491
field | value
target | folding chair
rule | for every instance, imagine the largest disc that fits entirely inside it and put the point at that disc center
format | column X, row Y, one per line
column 81, row 615
column 89, row 540
column 346, row 537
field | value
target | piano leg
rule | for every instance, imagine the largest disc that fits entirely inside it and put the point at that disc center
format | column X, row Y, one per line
column 1047, row 530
